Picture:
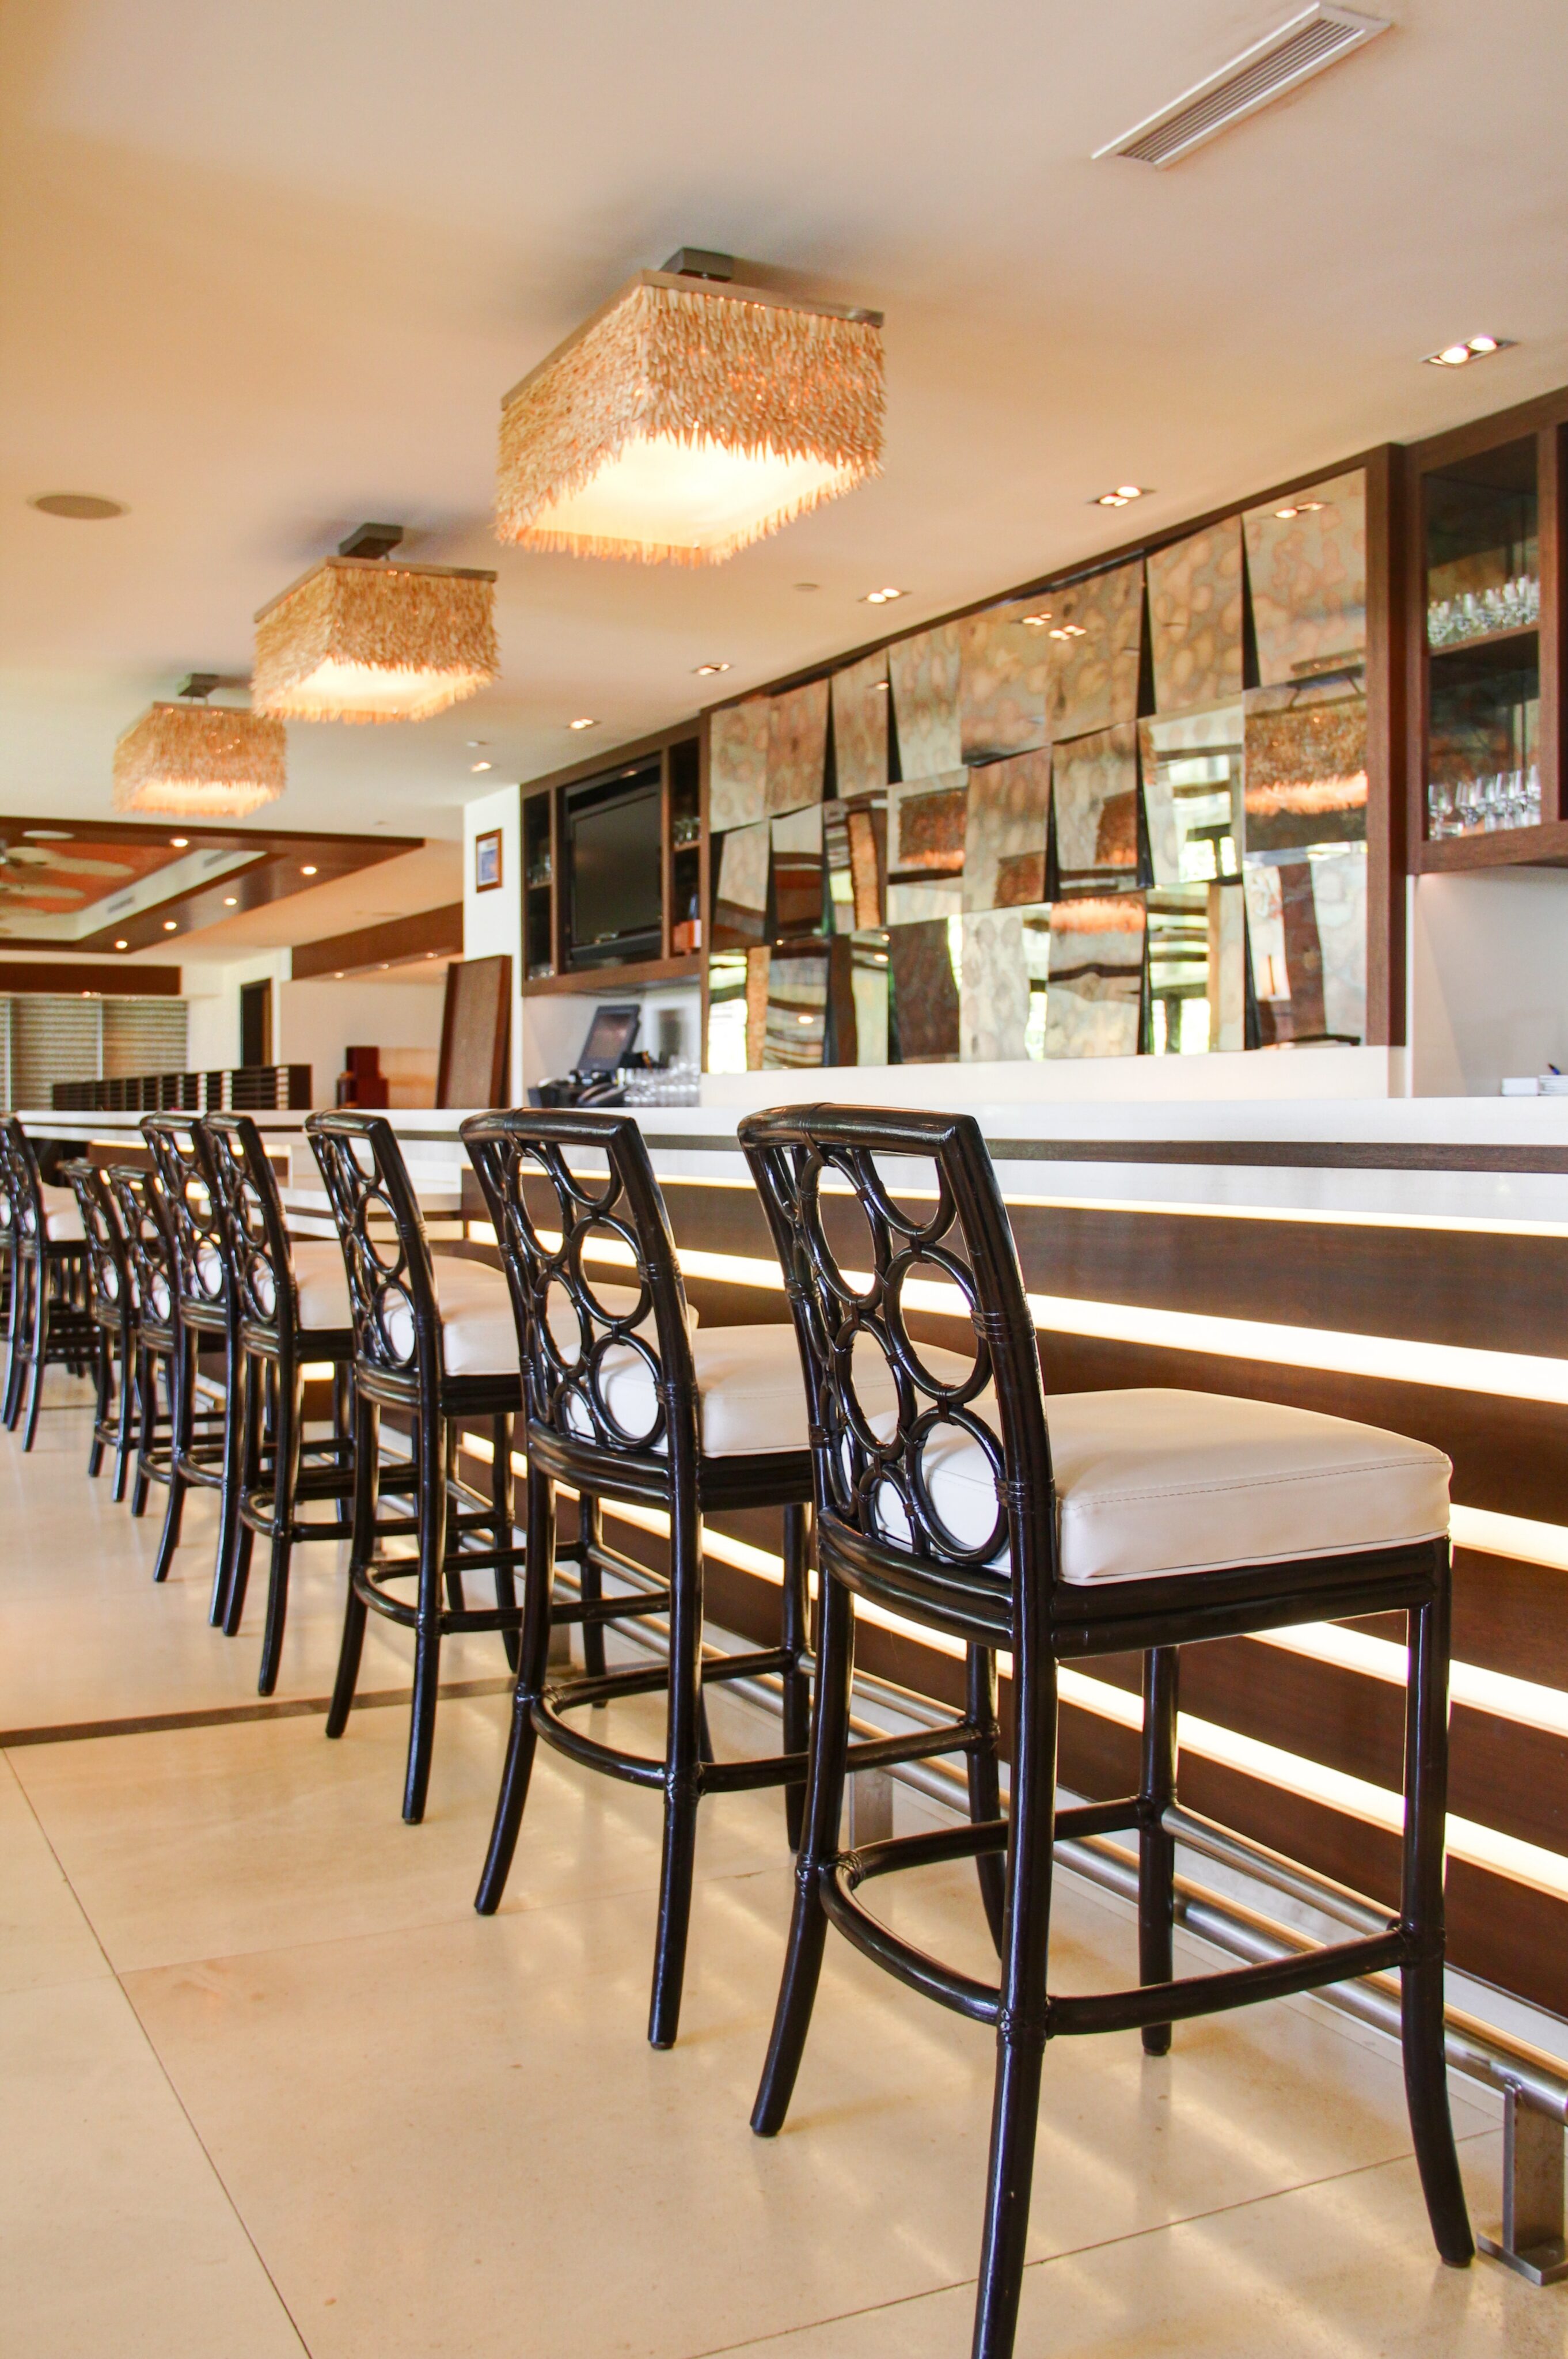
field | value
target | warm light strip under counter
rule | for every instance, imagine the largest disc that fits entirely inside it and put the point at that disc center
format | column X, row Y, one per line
column 1456, row 1367
column 1507, row 1855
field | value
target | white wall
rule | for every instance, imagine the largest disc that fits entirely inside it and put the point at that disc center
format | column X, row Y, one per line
column 493, row 922
column 212, row 995
column 1488, row 979
column 314, row 1022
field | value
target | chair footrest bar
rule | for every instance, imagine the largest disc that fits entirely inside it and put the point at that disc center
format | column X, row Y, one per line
column 634, row 1769
column 1239, row 1986
column 981, row 2002
column 1099, row 1819
column 973, row 1839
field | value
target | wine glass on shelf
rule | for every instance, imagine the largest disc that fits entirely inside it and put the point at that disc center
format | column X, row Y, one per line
column 1439, row 810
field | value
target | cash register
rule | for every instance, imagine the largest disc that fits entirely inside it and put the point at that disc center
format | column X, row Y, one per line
column 607, row 1053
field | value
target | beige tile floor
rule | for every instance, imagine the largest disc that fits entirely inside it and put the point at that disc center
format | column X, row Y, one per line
column 269, row 2085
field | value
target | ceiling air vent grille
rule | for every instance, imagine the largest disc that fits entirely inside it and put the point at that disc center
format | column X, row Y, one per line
column 1303, row 46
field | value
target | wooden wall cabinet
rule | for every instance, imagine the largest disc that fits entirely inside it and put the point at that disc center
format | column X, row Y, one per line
column 682, row 867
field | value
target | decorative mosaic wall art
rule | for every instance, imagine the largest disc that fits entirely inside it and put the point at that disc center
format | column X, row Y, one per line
column 924, row 673
column 727, row 1011
column 1306, row 922
column 737, row 763
column 798, row 873
column 1096, row 637
column 1094, row 790
column 795, row 1028
column 1195, row 619
column 1227, row 966
column 868, row 1000
column 1306, row 559
column 1179, row 981
column 1009, row 819
column 1191, row 765
column 1002, row 976
column 740, row 912
column 860, row 726
column 1095, row 995
column 758, row 968
column 1306, row 766
column 855, row 837
column 925, row 990
column 797, row 747
column 1004, row 673
column 927, row 825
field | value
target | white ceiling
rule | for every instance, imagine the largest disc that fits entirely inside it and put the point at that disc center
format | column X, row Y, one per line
column 266, row 271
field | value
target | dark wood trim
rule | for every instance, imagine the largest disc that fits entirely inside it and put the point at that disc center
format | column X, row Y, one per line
column 1512, row 424
column 1387, row 629
column 1275, row 1155
column 397, row 942
column 594, row 982
column 1516, row 847
column 611, row 758
column 1553, row 640
column 477, row 990
column 76, row 977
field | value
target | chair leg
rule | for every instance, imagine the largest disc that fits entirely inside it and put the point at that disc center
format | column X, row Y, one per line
column 687, row 1745
column 103, row 1379
column 236, row 1376
column 433, row 1457
column 37, row 1348
column 824, row 1811
column 125, row 1431
column 590, row 1580
column 181, row 1380
column 1021, row 2026
column 501, row 1507
column 1421, row 1985
column 796, row 1681
column 1156, row 1849
column 16, row 1344
column 362, row 1549
column 532, row 1670
column 253, row 1413
column 287, row 1432
column 146, row 1424
column 985, row 1782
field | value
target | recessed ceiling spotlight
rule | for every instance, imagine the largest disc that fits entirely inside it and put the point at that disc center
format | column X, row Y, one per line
column 1037, row 622
column 231, row 900
column 1069, row 631
column 171, row 926
column 477, row 766
column 122, row 946
column 473, row 742
column 47, row 836
column 178, row 841
column 1286, row 513
column 308, row 869
column 1474, row 348
column 82, row 508
column 338, row 976
column 1121, row 496
column 808, row 585
column 882, row 597
column 584, row 723
column 706, row 671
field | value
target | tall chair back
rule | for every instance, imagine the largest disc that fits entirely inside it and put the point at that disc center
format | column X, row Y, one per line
column 386, row 1254
column 195, row 1221
column 244, row 1189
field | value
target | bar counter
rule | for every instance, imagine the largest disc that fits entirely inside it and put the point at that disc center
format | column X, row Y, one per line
column 1400, row 1261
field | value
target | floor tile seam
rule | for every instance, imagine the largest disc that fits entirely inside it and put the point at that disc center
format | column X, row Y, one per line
column 211, row 2160
column 235, row 1715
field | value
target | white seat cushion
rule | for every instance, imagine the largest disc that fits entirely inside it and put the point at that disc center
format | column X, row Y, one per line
column 62, row 1216
column 1152, row 1481
column 478, row 1332
column 752, row 1390
column 322, row 1283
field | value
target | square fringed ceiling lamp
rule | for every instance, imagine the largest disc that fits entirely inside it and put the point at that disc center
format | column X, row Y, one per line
column 195, row 760
column 689, row 417
column 360, row 638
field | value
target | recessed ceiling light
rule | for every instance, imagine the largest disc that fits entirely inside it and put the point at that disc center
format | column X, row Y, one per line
column 1069, row 631
column 880, row 597
column 1284, row 514
column 584, row 723
column 49, row 835
column 706, row 671
column 1122, row 494
column 472, row 742
column 808, row 585
column 308, row 869
column 1474, row 348
column 338, row 976
column 178, row 841
column 82, row 508
column 477, row 766
column 1309, row 508
column 122, row 946
column 384, row 965
column 1037, row 622
column 171, row 926
column 231, row 900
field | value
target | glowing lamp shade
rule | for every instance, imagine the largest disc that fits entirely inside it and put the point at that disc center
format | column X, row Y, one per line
column 686, row 420
column 360, row 638
column 199, row 761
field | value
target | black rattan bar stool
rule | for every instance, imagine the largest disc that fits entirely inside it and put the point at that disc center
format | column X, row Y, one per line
column 1087, row 1524
column 206, row 1452
column 112, row 1302
column 434, row 1343
column 294, row 1304
column 137, row 1196
column 625, row 1402
column 50, row 1324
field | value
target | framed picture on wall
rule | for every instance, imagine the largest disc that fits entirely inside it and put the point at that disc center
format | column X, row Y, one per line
column 487, row 861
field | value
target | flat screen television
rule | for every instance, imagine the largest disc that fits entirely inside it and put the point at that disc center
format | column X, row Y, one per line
column 615, row 906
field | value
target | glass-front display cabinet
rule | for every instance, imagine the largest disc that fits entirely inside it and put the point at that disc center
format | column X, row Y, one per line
column 1484, row 757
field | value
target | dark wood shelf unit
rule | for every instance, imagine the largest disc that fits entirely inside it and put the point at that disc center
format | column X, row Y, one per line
column 679, row 753
column 1544, row 424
